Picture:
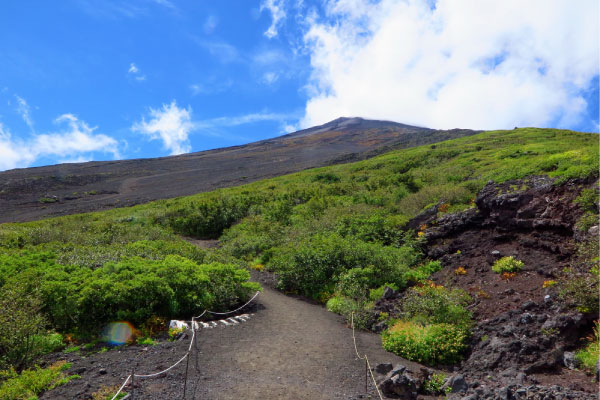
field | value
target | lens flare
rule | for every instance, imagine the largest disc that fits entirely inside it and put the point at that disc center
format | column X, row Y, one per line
column 117, row 333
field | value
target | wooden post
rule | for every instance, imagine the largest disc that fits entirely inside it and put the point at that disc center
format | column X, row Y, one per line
column 187, row 363
column 366, row 377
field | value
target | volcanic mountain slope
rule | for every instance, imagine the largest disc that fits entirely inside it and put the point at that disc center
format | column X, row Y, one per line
column 34, row 193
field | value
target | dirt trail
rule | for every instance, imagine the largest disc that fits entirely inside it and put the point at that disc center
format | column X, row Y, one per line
column 289, row 349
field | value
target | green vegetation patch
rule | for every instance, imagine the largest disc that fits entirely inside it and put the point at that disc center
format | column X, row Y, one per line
column 507, row 264
column 429, row 344
column 29, row 383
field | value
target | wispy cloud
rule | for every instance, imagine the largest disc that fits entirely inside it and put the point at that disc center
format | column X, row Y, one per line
column 25, row 111
column 165, row 3
column 270, row 77
column 210, row 24
column 77, row 140
column 242, row 120
column 461, row 63
column 277, row 10
column 211, row 86
column 135, row 72
column 222, row 51
column 170, row 124
column 173, row 125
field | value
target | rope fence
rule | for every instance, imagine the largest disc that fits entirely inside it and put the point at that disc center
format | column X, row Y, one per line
column 187, row 354
column 367, row 364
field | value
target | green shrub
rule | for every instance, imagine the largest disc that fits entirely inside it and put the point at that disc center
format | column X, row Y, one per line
column 507, row 264
column 421, row 273
column 437, row 305
column 430, row 344
column 133, row 289
column 312, row 266
column 29, row 383
column 359, row 311
column 434, row 384
column 588, row 200
column 21, row 326
column 376, row 294
column 588, row 356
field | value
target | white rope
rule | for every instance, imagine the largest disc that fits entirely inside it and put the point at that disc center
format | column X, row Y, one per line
column 163, row 371
column 121, row 388
column 237, row 309
column 364, row 358
column 189, row 348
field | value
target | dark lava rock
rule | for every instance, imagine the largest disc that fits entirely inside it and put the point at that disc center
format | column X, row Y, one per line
column 383, row 368
column 458, row 384
column 388, row 293
column 400, row 384
column 569, row 360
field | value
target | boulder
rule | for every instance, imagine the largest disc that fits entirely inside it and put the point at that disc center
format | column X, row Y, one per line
column 400, row 384
column 569, row 360
column 383, row 368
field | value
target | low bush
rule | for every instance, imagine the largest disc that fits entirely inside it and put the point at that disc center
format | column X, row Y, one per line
column 434, row 384
column 21, row 326
column 507, row 264
column 437, row 305
column 360, row 313
column 29, row 383
column 588, row 356
column 429, row 344
column 314, row 265
column 77, row 299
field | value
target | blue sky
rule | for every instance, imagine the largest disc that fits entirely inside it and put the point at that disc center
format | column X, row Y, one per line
column 104, row 79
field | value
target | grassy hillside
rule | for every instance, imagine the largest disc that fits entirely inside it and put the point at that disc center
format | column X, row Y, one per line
column 336, row 234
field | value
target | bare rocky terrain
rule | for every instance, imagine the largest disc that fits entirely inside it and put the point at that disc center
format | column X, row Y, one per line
column 34, row 193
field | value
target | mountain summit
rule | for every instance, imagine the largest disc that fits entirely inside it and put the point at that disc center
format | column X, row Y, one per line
column 34, row 193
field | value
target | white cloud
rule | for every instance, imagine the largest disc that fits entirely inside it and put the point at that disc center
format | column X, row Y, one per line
column 170, row 124
column 135, row 72
column 270, row 77
column 223, row 51
column 241, row 120
column 463, row 63
column 210, row 24
column 78, row 140
column 276, row 8
column 25, row 111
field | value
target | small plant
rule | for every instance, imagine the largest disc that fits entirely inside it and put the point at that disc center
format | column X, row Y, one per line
column 507, row 264
column 48, row 200
column 484, row 338
column 434, row 384
column 29, row 383
column 548, row 284
column 460, row 271
column 588, row 356
column 443, row 208
column 175, row 332
column 458, row 252
column 507, row 276
column 146, row 341
column 430, row 344
column 258, row 267
column 107, row 393
column 482, row 294
column 72, row 349
column 549, row 331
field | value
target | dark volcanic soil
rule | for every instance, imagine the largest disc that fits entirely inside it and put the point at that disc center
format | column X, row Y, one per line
column 522, row 329
column 35, row 193
column 289, row 349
